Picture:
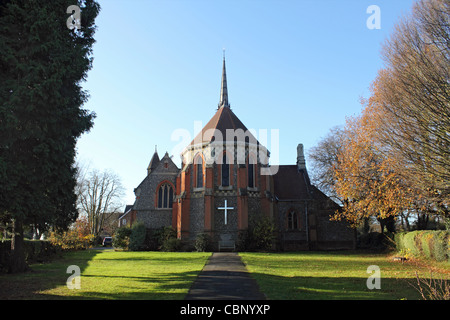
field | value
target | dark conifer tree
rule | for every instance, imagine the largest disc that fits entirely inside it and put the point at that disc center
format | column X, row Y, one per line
column 43, row 63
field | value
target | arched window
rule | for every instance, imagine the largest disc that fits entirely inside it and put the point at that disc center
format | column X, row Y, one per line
column 251, row 175
column 292, row 220
column 198, row 163
column 251, row 172
column 165, row 196
column 225, row 171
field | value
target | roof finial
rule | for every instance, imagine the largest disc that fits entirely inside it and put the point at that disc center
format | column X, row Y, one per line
column 223, row 89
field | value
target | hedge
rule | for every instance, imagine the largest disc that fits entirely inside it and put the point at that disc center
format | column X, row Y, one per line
column 429, row 244
column 35, row 251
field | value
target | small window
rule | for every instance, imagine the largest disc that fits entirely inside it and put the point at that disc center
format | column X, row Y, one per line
column 292, row 220
column 225, row 171
column 199, row 171
column 251, row 172
column 165, row 196
column 251, row 175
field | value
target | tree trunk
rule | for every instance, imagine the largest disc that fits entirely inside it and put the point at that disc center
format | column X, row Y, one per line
column 17, row 261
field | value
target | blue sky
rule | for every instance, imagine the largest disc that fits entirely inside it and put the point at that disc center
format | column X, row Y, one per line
column 297, row 66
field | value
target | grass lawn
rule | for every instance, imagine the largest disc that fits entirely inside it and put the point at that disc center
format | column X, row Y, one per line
column 168, row 275
column 109, row 275
column 334, row 275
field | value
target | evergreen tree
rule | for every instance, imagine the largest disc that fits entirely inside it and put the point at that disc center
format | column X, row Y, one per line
column 42, row 65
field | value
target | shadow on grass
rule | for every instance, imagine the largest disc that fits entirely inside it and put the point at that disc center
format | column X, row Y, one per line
column 163, row 286
column 333, row 288
column 43, row 276
column 110, row 276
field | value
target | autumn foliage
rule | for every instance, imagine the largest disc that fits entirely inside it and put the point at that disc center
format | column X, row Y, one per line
column 394, row 158
column 76, row 237
column 364, row 177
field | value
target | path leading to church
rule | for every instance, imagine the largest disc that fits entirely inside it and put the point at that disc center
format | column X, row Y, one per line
column 224, row 277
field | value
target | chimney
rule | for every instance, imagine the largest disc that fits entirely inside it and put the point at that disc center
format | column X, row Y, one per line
column 301, row 164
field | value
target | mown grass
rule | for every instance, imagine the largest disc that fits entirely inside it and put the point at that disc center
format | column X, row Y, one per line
column 109, row 275
column 168, row 276
column 334, row 275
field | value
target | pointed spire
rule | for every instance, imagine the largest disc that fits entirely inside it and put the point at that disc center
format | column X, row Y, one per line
column 153, row 162
column 223, row 88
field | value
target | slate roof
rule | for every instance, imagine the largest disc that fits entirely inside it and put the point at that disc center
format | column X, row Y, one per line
column 291, row 184
column 153, row 162
column 222, row 120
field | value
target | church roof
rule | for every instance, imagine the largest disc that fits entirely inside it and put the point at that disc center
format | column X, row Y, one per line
column 153, row 162
column 223, row 119
column 290, row 183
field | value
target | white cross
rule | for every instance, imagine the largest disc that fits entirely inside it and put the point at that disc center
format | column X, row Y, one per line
column 226, row 210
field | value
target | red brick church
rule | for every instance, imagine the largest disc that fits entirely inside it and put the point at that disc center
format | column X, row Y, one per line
column 225, row 185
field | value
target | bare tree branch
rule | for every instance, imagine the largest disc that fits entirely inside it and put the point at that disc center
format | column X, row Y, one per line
column 99, row 197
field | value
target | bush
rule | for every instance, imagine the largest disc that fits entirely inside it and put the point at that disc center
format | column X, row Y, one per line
column 35, row 251
column 137, row 237
column 440, row 246
column 428, row 244
column 203, row 242
column 171, row 245
column 375, row 241
column 39, row 250
column 122, row 237
column 168, row 240
column 77, row 237
column 260, row 237
column 166, row 233
column 410, row 243
column 152, row 240
column 263, row 234
column 244, row 242
column 70, row 240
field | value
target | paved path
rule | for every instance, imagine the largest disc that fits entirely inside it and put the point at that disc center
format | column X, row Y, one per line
column 224, row 277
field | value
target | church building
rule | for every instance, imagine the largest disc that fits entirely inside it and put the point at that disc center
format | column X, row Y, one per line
column 226, row 185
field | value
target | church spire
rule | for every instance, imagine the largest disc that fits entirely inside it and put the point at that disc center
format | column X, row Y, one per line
column 154, row 162
column 223, row 88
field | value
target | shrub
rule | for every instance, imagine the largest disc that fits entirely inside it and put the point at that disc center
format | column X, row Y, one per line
column 263, row 234
column 40, row 250
column 410, row 243
column 168, row 240
column 432, row 288
column 70, row 240
column 244, row 242
column 260, row 237
column 35, row 251
column 166, row 233
column 122, row 237
column 428, row 244
column 171, row 245
column 203, row 242
column 440, row 247
column 137, row 237
column 77, row 237
column 151, row 240
column 375, row 241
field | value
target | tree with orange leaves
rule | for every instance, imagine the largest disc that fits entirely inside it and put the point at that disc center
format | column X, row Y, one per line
column 395, row 157
column 412, row 98
column 364, row 176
